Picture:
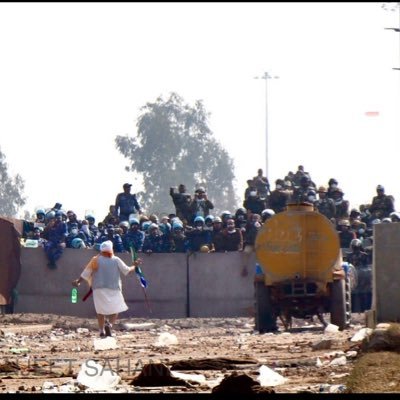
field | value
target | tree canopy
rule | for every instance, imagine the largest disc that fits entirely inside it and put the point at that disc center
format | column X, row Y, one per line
column 11, row 190
column 175, row 145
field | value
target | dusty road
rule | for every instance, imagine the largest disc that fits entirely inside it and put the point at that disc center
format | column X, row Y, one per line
column 44, row 353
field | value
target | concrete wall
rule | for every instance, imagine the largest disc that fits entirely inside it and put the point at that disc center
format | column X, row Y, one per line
column 386, row 272
column 217, row 288
column 202, row 285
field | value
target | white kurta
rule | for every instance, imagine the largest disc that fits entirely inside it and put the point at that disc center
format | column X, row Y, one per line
column 107, row 301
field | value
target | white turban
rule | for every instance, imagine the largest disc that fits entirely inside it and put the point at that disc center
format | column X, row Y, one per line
column 107, row 246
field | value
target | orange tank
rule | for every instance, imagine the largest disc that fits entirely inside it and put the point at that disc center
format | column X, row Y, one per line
column 298, row 244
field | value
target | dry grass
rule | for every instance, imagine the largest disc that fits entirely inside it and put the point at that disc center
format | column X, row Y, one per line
column 375, row 372
column 378, row 370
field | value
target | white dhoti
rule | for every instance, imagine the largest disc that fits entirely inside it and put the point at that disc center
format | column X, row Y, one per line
column 108, row 301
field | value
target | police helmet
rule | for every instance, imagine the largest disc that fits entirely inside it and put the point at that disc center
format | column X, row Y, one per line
column 152, row 227
column 356, row 243
column 199, row 219
column 332, row 181
column 78, row 243
column 267, row 212
column 344, row 222
column 204, row 249
column 50, row 215
column 395, row 216
column 177, row 225
column 146, row 225
column 241, row 211
column 134, row 221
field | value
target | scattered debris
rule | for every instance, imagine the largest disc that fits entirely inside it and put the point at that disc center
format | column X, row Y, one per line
column 107, row 343
column 196, row 378
column 269, row 377
column 240, row 384
column 217, row 363
column 20, row 350
column 324, row 344
column 351, row 354
column 325, row 388
column 95, row 376
column 48, row 385
column 9, row 366
column 157, row 374
column 137, row 327
column 342, row 360
column 334, row 354
column 330, row 328
column 383, row 339
column 166, row 339
column 361, row 334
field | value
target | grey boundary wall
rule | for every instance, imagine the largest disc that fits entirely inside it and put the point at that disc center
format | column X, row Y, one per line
column 386, row 273
column 199, row 285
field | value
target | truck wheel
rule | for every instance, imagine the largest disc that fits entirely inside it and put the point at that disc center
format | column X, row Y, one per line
column 338, row 304
column 265, row 317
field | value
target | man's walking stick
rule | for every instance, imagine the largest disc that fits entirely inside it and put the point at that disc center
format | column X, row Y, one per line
column 141, row 278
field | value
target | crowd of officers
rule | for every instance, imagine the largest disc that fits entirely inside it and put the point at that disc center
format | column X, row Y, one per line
column 193, row 227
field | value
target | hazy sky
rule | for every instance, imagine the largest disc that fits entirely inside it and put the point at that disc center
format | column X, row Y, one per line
column 73, row 76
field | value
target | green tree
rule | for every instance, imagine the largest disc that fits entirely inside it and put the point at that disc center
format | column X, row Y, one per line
column 174, row 145
column 11, row 191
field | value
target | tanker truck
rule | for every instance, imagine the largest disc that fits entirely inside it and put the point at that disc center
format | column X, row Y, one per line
column 302, row 271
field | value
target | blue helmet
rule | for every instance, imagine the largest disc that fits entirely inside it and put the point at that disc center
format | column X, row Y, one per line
column 199, row 219
column 165, row 228
column 146, row 225
column 50, row 215
column 209, row 217
column 40, row 211
column 177, row 225
column 133, row 221
column 78, row 243
column 90, row 216
column 124, row 223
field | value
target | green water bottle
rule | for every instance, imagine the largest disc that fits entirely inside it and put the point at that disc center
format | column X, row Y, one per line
column 74, row 295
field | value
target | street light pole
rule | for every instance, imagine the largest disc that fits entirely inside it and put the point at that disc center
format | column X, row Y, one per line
column 266, row 76
column 385, row 6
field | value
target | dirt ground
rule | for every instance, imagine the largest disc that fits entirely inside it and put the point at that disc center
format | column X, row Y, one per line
column 45, row 353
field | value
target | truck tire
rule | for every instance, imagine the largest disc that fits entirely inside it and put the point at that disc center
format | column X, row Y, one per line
column 265, row 317
column 340, row 304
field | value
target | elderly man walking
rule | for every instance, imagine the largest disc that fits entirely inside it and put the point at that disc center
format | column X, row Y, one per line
column 103, row 274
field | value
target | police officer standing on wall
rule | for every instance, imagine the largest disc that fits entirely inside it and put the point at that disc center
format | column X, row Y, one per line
column 126, row 203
